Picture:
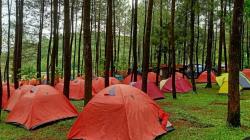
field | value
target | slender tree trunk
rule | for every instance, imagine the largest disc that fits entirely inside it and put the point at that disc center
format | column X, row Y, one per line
column 73, row 29
column 247, row 44
column 146, row 46
column 109, row 42
column 204, row 44
column 67, row 49
column 39, row 57
column 210, row 44
column 119, row 42
column 135, row 41
column 160, row 47
column 131, row 38
column 233, row 118
column 49, row 47
column 98, row 40
column 197, row 43
column 87, row 52
column 113, row 47
column 192, row 43
column 55, row 42
column 230, row 27
column 215, row 45
column 1, row 86
column 185, row 40
column 75, row 47
column 221, row 36
column 8, row 53
column 79, row 47
column 173, row 48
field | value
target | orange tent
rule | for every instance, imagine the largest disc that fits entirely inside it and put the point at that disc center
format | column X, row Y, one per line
column 128, row 80
column 14, row 98
column 5, row 94
column 152, row 77
column 182, row 85
column 247, row 73
column 76, row 89
column 98, row 83
column 41, row 105
column 120, row 112
column 178, row 74
column 152, row 90
column 203, row 77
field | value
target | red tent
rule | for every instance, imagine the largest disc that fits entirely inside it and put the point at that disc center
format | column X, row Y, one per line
column 120, row 112
column 178, row 74
column 5, row 94
column 14, row 98
column 42, row 104
column 203, row 77
column 98, row 83
column 152, row 90
column 182, row 85
column 247, row 73
column 152, row 77
column 128, row 80
column 76, row 89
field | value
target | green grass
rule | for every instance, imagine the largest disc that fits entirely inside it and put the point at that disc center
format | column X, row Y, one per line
column 195, row 117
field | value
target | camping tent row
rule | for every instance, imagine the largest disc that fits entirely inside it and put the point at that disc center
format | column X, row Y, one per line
column 223, row 82
column 116, row 111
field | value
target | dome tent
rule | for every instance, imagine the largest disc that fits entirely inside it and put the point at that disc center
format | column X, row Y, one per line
column 16, row 96
column 128, row 79
column 182, row 85
column 120, row 112
column 152, row 90
column 203, row 77
column 41, row 105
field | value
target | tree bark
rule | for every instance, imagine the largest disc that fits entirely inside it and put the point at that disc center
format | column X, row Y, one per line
column 98, row 39
column 160, row 47
column 67, row 49
column 233, row 118
column 55, row 42
column 146, row 46
column 210, row 44
column 172, row 40
column 109, row 42
column 135, row 41
column 49, row 47
column 221, row 35
column 87, row 52
column 39, row 57
column 192, row 43
column 1, row 86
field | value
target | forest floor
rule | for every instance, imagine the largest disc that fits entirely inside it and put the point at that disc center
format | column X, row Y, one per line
column 200, row 116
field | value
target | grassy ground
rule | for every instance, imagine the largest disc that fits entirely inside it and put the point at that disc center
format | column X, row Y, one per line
column 195, row 117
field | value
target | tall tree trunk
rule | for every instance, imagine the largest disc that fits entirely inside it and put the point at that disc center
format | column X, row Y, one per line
column 39, row 57
column 50, row 41
column 247, row 44
column 87, row 52
column 1, row 86
column 131, row 37
column 75, row 47
column 221, row 35
column 113, row 47
column 73, row 29
column 230, row 31
column 204, row 43
column 197, row 42
column 160, row 47
column 18, row 43
column 172, row 40
column 214, row 49
column 233, row 118
column 185, row 40
column 146, row 46
column 79, row 47
column 109, row 42
column 210, row 43
column 8, row 53
column 192, row 43
column 135, row 41
column 98, row 39
column 67, row 49
column 55, row 42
